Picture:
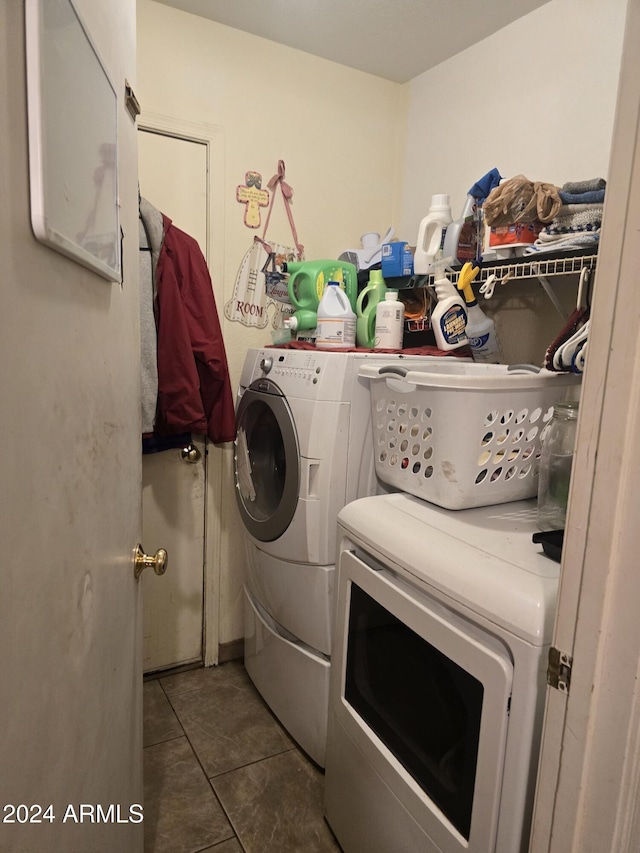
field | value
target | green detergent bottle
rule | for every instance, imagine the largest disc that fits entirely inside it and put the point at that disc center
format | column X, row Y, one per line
column 308, row 279
column 366, row 307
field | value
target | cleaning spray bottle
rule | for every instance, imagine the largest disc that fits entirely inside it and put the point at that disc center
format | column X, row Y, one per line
column 449, row 317
column 463, row 239
column 481, row 330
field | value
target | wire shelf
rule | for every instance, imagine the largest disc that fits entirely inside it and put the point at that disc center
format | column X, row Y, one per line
column 536, row 266
column 529, row 266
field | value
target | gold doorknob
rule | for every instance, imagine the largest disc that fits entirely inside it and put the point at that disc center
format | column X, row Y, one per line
column 190, row 454
column 157, row 562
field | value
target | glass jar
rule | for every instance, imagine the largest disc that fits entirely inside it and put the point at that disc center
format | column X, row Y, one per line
column 556, row 458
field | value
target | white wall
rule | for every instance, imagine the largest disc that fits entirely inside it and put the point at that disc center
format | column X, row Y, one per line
column 536, row 98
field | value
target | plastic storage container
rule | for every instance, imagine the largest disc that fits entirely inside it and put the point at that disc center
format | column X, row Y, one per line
column 463, row 434
column 389, row 324
column 556, row 460
column 336, row 327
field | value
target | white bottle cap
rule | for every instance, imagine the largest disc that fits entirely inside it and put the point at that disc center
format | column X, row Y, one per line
column 439, row 201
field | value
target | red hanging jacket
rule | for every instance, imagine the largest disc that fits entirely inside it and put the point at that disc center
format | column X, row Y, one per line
column 194, row 389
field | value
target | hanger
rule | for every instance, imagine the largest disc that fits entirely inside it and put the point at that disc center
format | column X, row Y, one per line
column 584, row 290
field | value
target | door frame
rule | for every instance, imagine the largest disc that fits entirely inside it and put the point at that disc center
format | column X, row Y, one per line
column 213, row 138
column 589, row 780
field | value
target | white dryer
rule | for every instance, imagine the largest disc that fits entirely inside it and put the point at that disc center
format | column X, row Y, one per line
column 304, row 449
column 443, row 626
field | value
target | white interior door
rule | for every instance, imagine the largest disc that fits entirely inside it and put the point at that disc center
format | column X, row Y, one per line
column 70, row 620
column 173, row 177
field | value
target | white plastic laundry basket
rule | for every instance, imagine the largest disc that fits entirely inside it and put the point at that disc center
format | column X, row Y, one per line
column 463, row 434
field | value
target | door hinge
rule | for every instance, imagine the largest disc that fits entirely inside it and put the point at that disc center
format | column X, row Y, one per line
column 559, row 670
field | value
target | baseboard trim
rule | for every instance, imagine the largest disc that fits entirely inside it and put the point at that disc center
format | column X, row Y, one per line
column 231, row 651
column 171, row 670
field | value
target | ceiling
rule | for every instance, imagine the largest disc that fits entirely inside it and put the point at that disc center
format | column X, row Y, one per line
column 393, row 39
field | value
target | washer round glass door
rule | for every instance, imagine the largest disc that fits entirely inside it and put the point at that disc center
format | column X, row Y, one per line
column 267, row 461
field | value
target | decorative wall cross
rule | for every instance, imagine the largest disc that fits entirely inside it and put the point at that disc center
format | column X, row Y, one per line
column 253, row 197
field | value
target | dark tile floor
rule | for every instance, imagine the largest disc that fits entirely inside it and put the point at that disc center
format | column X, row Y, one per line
column 220, row 772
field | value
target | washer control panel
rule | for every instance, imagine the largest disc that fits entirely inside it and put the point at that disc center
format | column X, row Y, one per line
column 306, row 374
column 299, row 366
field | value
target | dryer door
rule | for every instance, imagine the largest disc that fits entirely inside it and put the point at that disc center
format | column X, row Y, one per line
column 267, row 461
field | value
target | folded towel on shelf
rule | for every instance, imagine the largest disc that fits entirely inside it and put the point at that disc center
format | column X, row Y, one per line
column 552, row 243
column 575, row 226
column 545, row 239
column 566, row 209
column 592, row 197
column 586, row 219
column 584, row 186
column 564, row 244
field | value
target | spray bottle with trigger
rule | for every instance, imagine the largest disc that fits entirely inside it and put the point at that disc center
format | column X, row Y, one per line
column 449, row 317
column 481, row 330
column 463, row 238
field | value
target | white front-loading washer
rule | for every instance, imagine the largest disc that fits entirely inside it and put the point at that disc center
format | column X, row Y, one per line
column 443, row 624
column 304, row 449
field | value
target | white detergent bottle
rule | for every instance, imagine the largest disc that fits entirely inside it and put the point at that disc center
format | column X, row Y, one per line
column 449, row 317
column 481, row 330
column 431, row 234
column 389, row 327
column 336, row 327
